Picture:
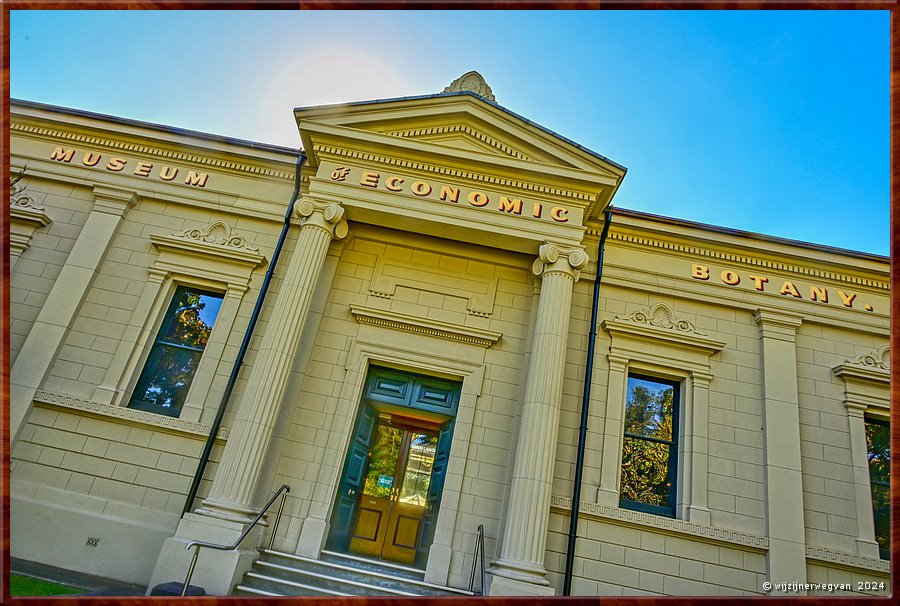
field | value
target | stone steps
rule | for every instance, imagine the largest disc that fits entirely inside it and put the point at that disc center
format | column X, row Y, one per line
column 284, row 574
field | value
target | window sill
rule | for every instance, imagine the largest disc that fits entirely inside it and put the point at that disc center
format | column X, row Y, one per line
column 120, row 414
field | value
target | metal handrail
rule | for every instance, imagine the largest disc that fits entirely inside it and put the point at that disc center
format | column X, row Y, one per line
column 478, row 557
column 198, row 544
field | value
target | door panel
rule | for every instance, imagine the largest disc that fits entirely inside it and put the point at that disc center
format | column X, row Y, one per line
column 352, row 481
column 371, row 526
column 435, row 488
column 403, row 531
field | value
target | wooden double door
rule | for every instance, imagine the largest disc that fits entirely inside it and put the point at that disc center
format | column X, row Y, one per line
column 390, row 488
column 395, row 491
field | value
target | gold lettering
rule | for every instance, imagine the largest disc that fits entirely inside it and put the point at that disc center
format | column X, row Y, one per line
column 817, row 293
column 511, row 206
column 198, row 179
column 63, row 155
column 339, row 174
column 847, row 299
column 116, row 164
column 701, row 272
column 759, row 282
column 167, row 173
column 90, row 159
column 393, row 183
column 559, row 214
column 450, row 193
column 477, row 198
column 420, row 188
column 538, row 210
column 369, row 179
column 789, row 289
column 731, row 277
column 143, row 169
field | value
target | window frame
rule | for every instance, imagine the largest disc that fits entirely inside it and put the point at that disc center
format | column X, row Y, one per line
column 672, row 474
column 168, row 318
column 884, row 551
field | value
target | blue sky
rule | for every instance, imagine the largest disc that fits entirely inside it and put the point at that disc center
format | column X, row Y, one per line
column 771, row 121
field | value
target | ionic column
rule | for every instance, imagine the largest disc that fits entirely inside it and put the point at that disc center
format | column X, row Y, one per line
column 234, row 485
column 520, row 569
column 784, row 475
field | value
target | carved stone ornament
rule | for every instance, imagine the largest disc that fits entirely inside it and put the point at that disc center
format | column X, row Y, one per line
column 553, row 257
column 660, row 316
column 473, row 82
column 218, row 233
column 330, row 216
column 877, row 359
column 18, row 199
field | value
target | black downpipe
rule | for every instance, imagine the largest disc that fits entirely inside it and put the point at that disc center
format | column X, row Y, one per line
column 585, row 405
column 245, row 344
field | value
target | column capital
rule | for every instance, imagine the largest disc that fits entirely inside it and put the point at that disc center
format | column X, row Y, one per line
column 556, row 258
column 777, row 324
column 324, row 215
column 114, row 200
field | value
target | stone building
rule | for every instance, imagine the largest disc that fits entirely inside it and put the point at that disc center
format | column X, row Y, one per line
column 419, row 365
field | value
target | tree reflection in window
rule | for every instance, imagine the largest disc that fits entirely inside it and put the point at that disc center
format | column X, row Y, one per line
column 878, row 441
column 649, row 446
column 172, row 363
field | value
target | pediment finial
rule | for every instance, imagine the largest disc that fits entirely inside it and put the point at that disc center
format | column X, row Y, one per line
column 474, row 82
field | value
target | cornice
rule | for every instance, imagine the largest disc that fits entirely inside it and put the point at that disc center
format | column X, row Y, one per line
column 641, row 520
column 849, row 560
column 452, row 172
column 120, row 414
column 743, row 259
column 460, row 128
column 425, row 326
column 149, row 150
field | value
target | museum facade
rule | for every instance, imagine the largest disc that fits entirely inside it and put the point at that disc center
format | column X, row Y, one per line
column 407, row 325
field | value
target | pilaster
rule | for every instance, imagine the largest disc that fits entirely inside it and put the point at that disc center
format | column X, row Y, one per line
column 784, row 478
column 65, row 298
column 520, row 568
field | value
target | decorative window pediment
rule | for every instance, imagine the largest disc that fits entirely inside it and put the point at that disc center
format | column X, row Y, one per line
column 659, row 325
column 221, row 252
column 874, row 366
column 25, row 216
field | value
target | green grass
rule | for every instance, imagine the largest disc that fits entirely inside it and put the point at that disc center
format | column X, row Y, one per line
column 20, row 585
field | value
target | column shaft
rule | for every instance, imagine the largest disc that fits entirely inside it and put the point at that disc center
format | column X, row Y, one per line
column 234, row 485
column 525, row 536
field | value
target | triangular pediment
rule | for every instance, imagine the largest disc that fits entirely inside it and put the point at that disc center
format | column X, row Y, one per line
column 462, row 121
column 464, row 134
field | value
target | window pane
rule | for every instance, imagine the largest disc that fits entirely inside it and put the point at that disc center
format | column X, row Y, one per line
column 879, row 446
column 383, row 458
column 645, row 472
column 417, row 476
column 166, row 379
column 879, row 455
column 191, row 317
column 649, row 409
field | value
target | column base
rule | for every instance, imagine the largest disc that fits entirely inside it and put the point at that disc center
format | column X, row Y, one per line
column 217, row 571
column 312, row 538
column 506, row 586
column 867, row 548
column 698, row 515
column 609, row 498
column 231, row 512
